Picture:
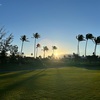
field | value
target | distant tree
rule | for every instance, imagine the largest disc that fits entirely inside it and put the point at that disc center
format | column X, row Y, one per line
column 31, row 54
column 4, row 45
column 37, row 46
column 97, row 42
column 36, row 36
column 2, row 33
column 13, row 49
column 45, row 48
column 88, row 36
column 22, row 53
column 54, row 48
column 13, row 52
column 23, row 39
column 3, row 55
column 80, row 38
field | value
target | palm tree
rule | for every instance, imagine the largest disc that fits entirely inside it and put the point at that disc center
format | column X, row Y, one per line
column 88, row 36
column 36, row 36
column 54, row 48
column 45, row 48
column 37, row 46
column 97, row 42
column 80, row 38
column 23, row 39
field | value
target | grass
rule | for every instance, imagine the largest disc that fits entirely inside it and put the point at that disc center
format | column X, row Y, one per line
column 66, row 83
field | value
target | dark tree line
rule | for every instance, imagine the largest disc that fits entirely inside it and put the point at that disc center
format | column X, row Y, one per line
column 9, row 52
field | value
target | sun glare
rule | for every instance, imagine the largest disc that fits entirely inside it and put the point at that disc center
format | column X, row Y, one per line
column 56, row 54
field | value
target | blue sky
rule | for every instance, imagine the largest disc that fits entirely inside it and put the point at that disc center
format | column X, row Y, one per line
column 57, row 21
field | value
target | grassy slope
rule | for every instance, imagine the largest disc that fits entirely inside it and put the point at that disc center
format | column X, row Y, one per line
column 68, row 83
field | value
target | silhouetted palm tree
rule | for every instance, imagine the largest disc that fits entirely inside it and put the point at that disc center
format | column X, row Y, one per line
column 54, row 48
column 45, row 48
column 23, row 39
column 37, row 46
column 88, row 36
column 36, row 36
column 80, row 38
column 97, row 42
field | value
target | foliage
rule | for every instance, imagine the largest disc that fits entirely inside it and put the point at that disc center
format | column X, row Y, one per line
column 89, row 36
column 13, row 49
column 36, row 36
column 24, row 38
column 2, row 33
column 45, row 48
column 53, row 48
column 38, row 45
column 97, row 42
column 5, row 45
column 80, row 37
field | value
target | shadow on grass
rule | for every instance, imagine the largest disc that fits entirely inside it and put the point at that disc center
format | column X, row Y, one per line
column 16, row 85
column 15, row 74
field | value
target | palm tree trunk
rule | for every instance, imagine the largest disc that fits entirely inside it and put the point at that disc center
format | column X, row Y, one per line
column 37, row 52
column 44, row 55
column 86, row 47
column 53, row 52
column 34, row 47
column 95, row 49
column 78, row 48
column 22, row 47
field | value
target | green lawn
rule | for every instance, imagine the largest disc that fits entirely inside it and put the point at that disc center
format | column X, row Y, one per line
column 70, row 83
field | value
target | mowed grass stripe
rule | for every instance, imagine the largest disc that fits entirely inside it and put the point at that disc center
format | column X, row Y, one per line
column 68, row 83
column 13, row 83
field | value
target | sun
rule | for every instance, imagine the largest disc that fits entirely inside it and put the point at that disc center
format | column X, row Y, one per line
column 56, row 54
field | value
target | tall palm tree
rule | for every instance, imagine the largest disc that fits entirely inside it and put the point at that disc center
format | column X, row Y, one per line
column 23, row 39
column 88, row 36
column 80, row 38
column 45, row 48
column 36, row 36
column 97, row 42
column 37, row 46
column 54, row 48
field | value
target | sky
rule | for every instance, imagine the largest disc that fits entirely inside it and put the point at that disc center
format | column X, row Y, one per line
column 57, row 21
